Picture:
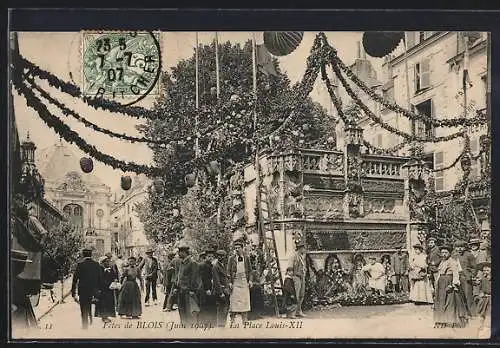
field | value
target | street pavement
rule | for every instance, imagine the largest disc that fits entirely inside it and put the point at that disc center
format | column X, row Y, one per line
column 387, row 321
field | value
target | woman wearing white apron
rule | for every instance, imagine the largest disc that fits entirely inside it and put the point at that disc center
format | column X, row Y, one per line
column 239, row 282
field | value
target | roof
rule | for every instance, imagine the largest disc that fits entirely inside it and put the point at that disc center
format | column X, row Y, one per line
column 57, row 160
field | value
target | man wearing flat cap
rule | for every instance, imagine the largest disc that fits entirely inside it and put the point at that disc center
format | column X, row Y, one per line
column 221, row 291
column 168, row 279
column 433, row 260
column 87, row 280
column 151, row 276
column 208, row 307
column 468, row 272
column 298, row 264
column 186, row 286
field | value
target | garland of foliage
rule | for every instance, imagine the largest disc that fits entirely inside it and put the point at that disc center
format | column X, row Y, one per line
column 435, row 121
column 386, row 126
column 381, row 151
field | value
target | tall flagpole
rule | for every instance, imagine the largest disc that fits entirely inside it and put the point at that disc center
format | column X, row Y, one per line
column 259, row 220
column 217, row 65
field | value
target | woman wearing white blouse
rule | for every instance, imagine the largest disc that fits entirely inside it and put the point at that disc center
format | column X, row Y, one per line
column 420, row 288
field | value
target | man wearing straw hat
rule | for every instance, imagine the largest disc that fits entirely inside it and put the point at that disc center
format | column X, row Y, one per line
column 298, row 265
column 186, row 286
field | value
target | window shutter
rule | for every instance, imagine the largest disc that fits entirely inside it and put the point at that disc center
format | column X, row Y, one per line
column 410, row 39
column 439, row 176
column 438, row 159
column 416, row 77
column 425, row 74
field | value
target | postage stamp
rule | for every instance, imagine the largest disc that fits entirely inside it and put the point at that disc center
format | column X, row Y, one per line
column 122, row 66
column 279, row 187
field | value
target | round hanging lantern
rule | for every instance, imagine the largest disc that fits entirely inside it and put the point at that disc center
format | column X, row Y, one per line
column 175, row 212
column 234, row 98
column 126, row 182
column 281, row 43
column 190, row 180
column 158, row 184
column 86, row 164
column 380, row 43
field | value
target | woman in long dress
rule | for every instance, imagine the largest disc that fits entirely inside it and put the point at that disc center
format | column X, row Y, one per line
column 129, row 300
column 449, row 307
column 420, row 287
column 376, row 280
column 105, row 306
column 239, row 283
column 359, row 279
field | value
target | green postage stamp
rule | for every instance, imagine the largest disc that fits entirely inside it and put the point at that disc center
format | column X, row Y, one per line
column 121, row 66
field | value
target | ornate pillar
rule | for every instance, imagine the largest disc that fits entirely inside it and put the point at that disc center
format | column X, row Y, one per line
column 353, row 195
column 416, row 173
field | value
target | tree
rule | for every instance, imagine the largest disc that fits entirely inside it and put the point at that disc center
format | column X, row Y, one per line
column 61, row 247
column 233, row 140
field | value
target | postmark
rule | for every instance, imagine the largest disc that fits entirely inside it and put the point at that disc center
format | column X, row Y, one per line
column 120, row 66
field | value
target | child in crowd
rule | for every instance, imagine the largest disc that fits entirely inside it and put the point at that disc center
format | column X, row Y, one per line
column 289, row 298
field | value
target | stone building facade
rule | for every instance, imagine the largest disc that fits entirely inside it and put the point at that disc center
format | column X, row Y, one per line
column 82, row 197
column 128, row 238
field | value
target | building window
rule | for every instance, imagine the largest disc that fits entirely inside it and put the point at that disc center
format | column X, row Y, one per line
column 414, row 38
column 74, row 213
column 422, row 128
column 422, row 75
column 439, row 176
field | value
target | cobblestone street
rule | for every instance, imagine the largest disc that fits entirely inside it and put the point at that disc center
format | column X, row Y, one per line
column 391, row 321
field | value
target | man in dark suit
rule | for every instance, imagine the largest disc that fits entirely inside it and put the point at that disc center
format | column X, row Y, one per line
column 151, row 276
column 187, row 284
column 87, row 280
column 208, row 306
column 221, row 287
column 433, row 260
column 168, row 279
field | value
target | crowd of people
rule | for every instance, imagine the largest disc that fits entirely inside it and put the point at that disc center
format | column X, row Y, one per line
column 205, row 288
column 214, row 286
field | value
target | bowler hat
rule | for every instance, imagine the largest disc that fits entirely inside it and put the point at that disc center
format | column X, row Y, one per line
column 418, row 246
column 238, row 242
column 203, row 254
column 446, row 247
column 460, row 243
column 432, row 239
column 149, row 251
column 474, row 241
column 221, row 253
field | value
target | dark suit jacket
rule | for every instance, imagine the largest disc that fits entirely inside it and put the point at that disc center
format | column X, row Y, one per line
column 87, row 278
column 220, row 280
column 152, row 270
column 231, row 267
column 468, row 264
column 187, row 276
column 205, row 270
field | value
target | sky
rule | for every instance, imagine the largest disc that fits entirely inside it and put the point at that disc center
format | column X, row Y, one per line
column 60, row 53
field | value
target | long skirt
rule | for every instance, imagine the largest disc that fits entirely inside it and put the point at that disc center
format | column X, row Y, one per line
column 449, row 307
column 105, row 306
column 129, row 300
column 240, row 297
column 421, row 291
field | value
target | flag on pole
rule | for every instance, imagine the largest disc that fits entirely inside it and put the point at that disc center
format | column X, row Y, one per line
column 265, row 61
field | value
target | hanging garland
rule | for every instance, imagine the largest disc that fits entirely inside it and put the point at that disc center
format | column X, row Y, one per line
column 435, row 121
column 381, row 151
column 385, row 125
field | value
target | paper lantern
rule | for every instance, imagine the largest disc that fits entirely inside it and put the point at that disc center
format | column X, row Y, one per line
column 126, row 182
column 380, row 43
column 190, row 180
column 281, row 43
column 86, row 164
column 158, row 185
